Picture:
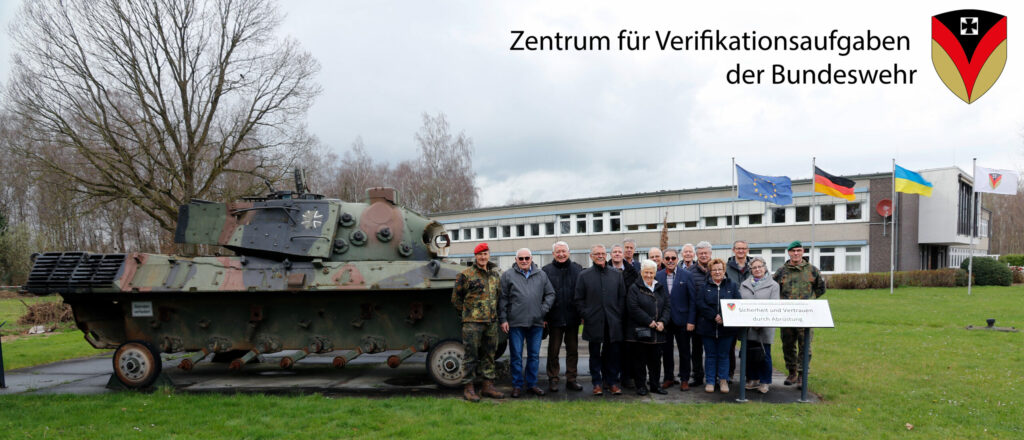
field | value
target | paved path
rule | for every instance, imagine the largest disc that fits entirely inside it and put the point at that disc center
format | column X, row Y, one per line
column 366, row 376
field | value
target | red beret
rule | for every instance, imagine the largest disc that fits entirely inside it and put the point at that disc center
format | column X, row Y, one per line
column 482, row 247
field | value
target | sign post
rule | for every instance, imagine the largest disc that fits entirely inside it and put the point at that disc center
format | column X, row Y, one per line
column 3, row 382
column 793, row 313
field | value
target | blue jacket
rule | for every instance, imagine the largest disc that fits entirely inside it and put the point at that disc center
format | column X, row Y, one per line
column 681, row 296
column 708, row 305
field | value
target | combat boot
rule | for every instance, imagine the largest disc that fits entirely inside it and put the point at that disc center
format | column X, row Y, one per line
column 488, row 390
column 470, row 394
column 791, row 379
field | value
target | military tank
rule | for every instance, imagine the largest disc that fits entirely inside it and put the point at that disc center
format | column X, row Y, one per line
column 308, row 275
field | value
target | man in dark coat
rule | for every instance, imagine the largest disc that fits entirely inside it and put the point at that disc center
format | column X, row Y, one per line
column 680, row 289
column 600, row 299
column 617, row 261
column 699, row 274
column 563, row 322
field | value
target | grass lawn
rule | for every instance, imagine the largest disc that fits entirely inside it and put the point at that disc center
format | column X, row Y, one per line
column 892, row 360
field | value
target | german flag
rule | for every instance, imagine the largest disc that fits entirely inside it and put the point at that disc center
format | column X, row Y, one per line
column 826, row 183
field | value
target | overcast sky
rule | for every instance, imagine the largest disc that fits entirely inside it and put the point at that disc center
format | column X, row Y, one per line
column 556, row 125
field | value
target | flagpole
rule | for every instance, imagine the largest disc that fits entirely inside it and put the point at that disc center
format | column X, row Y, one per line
column 814, row 204
column 974, row 224
column 892, row 231
column 732, row 215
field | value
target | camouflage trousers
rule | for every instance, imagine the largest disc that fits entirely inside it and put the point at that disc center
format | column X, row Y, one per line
column 481, row 341
column 791, row 338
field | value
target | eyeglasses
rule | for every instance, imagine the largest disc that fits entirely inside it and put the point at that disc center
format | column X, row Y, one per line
column 671, row 258
column 523, row 258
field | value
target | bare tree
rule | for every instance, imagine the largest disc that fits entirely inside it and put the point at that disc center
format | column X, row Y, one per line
column 444, row 170
column 157, row 101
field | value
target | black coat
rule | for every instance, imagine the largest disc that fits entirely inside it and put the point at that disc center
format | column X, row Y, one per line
column 600, row 299
column 563, row 279
column 700, row 276
column 644, row 306
column 708, row 305
column 629, row 274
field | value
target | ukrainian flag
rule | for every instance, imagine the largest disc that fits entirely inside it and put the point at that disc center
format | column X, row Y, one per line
column 910, row 182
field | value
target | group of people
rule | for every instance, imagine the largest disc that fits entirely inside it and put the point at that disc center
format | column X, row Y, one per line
column 634, row 314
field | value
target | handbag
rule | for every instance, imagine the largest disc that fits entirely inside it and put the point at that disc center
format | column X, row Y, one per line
column 644, row 334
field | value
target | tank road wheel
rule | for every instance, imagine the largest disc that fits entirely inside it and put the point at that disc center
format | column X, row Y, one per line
column 445, row 363
column 136, row 364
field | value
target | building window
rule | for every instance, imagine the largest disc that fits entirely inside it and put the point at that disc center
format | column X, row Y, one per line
column 827, row 259
column 467, row 234
column 564, row 224
column 632, row 227
column 828, row 213
column 853, row 255
column 598, row 225
column 779, row 257
column 853, row 211
column 534, row 229
column 549, row 228
column 506, row 231
column 755, row 219
column 492, row 232
column 671, row 225
column 778, row 215
column 803, row 214
column 964, row 211
column 690, row 225
column 455, row 235
column 581, row 226
column 652, row 226
column 520, row 230
column 479, row 233
column 710, row 222
column 616, row 224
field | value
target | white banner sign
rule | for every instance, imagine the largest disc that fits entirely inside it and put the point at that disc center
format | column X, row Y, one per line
column 800, row 313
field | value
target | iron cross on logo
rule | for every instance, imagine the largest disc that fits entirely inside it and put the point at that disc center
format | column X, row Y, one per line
column 312, row 219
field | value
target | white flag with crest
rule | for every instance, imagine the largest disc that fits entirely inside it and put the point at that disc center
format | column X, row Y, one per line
column 990, row 180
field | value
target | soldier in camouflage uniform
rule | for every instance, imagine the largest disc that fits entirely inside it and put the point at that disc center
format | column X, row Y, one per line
column 476, row 298
column 798, row 279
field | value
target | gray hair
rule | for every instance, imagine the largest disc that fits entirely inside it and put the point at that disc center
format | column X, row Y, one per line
column 740, row 241
column 559, row 243
column 524, row 249
column 594, row 247
column 690, row 245
column 756, row 259
column 704, row 245
column 672, row 250
column 649, row 264
column 616, row 246
column 629, row 240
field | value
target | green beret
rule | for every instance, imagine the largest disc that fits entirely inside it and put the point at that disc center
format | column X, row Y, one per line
column 794, row 244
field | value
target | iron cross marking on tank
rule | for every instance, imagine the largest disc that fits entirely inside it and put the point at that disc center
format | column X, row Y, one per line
column 312, row 219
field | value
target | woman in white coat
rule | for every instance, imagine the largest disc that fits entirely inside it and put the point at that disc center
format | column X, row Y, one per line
column 760, row 286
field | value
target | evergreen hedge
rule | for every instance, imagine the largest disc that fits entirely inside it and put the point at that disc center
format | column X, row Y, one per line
column 989, row 272
column 913, row 278
column 1013, row 259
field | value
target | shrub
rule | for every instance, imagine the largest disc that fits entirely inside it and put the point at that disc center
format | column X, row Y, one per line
column 1018, row 274
column 989, row 272
column 915, row 278
column 1013, row 259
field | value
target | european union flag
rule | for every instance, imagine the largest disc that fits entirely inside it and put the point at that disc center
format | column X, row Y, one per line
column 778, row 190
